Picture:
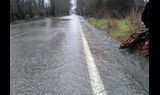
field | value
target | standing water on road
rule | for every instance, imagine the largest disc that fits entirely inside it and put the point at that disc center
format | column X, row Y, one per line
column 68, row 56
column 64, row 56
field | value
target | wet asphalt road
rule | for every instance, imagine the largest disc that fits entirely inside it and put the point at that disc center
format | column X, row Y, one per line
column 68, row 56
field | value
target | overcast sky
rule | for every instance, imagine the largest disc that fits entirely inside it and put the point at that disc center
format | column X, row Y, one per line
column 46, row 1
column 146, row 0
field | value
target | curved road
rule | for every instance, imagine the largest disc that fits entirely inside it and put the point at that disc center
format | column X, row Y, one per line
column 68, row 56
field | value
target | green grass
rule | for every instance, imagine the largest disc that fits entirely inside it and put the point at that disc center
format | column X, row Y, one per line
column 19, row 21
column 120, row 29
column 25, row 21
column 99, row 23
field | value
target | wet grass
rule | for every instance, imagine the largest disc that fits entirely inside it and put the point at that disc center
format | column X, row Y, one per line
column 19, row 21
column 99, row 23
column 25, row 21
column 120, row 29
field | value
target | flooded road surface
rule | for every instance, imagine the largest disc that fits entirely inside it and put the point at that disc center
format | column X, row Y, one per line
column 68, row 56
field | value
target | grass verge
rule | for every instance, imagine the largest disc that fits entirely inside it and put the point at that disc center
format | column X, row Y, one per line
column 25, row 21
column 120, row 29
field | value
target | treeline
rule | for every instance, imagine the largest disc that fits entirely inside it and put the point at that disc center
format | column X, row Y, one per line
column 114, row 8
column 33, row 9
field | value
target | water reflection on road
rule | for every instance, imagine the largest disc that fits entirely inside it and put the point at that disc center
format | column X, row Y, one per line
column 62, row 56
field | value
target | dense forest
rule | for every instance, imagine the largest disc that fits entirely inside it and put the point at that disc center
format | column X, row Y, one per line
column 113, row 8
column 33, row 9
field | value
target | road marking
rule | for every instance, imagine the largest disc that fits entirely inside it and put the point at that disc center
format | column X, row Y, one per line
column 96, row 82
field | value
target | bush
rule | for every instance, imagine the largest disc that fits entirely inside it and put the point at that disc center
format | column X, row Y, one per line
column 135, row 19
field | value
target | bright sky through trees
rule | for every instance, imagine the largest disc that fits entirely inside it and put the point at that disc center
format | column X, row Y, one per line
column 73, row 7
